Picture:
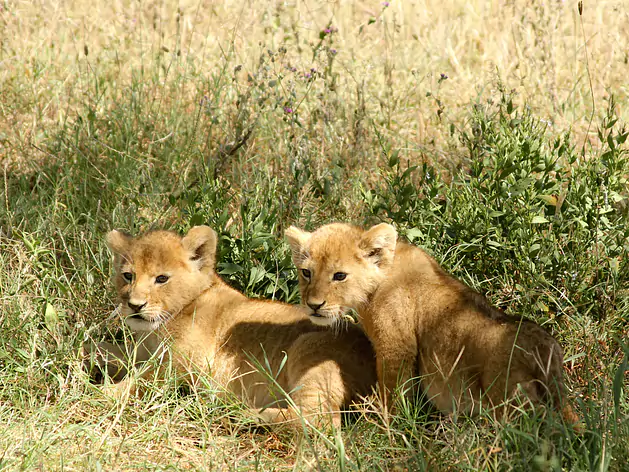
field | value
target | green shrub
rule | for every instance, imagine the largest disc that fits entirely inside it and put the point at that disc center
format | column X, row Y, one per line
column 540, row 221
column 252, row 256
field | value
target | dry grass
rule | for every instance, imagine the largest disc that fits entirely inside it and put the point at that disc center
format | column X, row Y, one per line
column 53, row 52
column 107, row 108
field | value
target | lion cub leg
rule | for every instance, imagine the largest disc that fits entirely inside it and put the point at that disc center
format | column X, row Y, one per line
column 314, row 382
column 108, row 360
column 117, row 361
column 315, row 400
column 306, row 414
column 318, row 393
column 105, row 359
column 452, row 386
column 395, row 368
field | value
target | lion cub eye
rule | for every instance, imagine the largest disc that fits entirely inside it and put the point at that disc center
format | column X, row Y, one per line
column 339, row 276
column 128, row 276
column 161, row 279
column 305, row 273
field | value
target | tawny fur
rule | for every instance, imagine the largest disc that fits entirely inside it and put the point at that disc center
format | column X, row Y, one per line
column 423, row 322
column 206, row 326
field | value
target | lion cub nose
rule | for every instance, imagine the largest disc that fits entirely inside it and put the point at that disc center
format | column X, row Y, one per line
column 315, row 306
column 136, row 308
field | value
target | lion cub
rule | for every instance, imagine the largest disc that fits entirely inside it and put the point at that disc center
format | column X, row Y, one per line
column 172, row 299
column 423, row 322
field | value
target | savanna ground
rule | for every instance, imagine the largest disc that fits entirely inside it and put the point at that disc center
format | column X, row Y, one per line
column 493, row 134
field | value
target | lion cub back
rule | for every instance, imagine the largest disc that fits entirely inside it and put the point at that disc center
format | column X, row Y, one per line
column 238, row 338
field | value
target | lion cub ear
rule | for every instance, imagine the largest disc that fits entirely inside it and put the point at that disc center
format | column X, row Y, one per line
column 118, row 242
column 298, row 241
column 201, row 243
column 379, row 244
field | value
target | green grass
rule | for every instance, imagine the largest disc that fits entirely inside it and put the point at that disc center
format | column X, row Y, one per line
column 146, row 118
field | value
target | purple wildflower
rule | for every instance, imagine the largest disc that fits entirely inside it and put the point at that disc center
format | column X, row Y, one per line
column 385, row 4
column 288, row 110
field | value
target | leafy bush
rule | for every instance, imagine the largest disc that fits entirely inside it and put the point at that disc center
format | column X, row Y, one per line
column 251, row 255
column 542, row 221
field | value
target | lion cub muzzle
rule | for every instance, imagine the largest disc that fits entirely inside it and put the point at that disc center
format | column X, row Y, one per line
column 135, row 311
column 315, row 306
column 136, row 306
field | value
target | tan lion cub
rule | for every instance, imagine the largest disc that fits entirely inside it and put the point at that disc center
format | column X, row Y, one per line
column 423, row 322
column 171, row 295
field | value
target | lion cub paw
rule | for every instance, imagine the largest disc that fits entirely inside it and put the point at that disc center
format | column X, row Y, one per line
column 120, row 390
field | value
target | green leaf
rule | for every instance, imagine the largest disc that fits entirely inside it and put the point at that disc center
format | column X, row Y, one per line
column 229, row 268
column 394, row 159
column 614, row 264
column 259, row 240
column 549, row 199
column 538, row 219
column 256, row 275
column 542, row 306
column 618, row 383
column 50, row 316
column 196, row 220
column 510, row 107
column 610, row 142
column 611, row 123
column 413, row 233
column 22, row 352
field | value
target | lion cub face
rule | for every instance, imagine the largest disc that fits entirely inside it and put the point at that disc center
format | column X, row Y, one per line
column 340, row 266
column 159, row 273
